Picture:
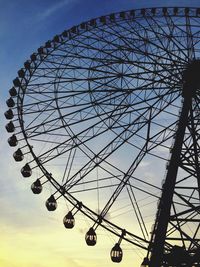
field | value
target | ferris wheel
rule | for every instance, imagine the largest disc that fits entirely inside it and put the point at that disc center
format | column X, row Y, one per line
column 107, row 113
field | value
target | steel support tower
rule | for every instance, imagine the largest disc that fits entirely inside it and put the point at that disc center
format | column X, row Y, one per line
column 179, row 204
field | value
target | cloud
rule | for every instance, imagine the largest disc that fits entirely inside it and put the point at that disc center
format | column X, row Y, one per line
column 49, row 11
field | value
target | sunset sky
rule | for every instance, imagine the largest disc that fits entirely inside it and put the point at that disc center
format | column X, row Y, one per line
column 30, row 235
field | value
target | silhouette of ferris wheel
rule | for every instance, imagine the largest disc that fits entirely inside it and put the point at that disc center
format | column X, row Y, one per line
column 108, row 113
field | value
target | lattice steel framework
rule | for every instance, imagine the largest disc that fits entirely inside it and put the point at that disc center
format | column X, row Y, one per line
column 103, row 113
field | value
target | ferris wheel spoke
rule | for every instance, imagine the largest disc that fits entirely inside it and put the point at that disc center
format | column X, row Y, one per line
column 70, row 80
column 149, row 149
column 98, row 125
column 71, row 67
column 104, row 153
column 124, row 181
column 133, row 62
column 109, row 164
column 154, row 44
column 167, row 46
column 69, row 114
column 90, row 128
column 189, row 46
column 117, row 46
column 87, row 168
column 166, row 34
column 136, row 47
column 92, row 48
column 169, row 33
column 138, row 214
column 165, row 137
column 162, row 54
column 75, row 58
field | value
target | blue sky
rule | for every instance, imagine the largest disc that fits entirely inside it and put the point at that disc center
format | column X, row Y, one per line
column 25, row 26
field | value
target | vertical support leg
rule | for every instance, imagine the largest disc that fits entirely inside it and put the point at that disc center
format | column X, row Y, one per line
column 163, row 214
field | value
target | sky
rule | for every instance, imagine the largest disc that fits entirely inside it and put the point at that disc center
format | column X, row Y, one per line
column 30, row 235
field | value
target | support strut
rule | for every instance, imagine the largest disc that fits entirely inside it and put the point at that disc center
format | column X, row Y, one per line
column 163, row 213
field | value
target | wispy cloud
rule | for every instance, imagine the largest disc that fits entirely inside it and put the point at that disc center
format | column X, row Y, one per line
column 54, row 8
